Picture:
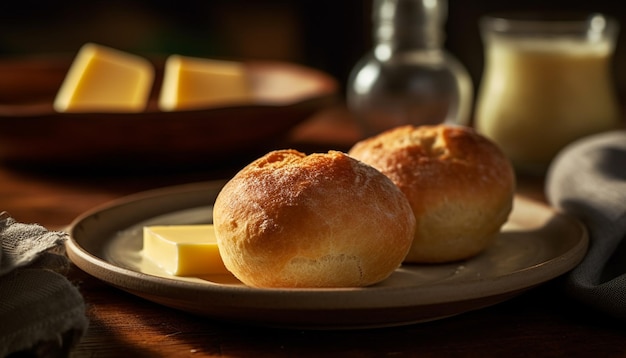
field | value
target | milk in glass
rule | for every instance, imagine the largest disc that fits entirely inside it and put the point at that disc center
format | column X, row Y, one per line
column 541, row 92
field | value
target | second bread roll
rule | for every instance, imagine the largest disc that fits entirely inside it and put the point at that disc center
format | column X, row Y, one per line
column 460, row 186
column 322, row 220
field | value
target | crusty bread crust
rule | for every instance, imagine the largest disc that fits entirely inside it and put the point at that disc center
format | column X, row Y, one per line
column 460, row 186
column 322, row 220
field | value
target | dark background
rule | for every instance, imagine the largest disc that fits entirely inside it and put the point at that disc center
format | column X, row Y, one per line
column 330, row 35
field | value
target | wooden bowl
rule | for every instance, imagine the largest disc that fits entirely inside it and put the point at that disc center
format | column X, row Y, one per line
column 32, row 132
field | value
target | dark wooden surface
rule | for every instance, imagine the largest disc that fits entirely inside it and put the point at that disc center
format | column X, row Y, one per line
column 542, row 322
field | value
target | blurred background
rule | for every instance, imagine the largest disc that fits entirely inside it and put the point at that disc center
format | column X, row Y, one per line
column 330, row 35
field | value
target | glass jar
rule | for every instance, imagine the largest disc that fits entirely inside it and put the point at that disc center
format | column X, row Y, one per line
column 545, row 84
column 408, row 77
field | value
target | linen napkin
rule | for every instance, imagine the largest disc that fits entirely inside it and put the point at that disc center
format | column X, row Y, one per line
column 588, row 180
column 41, row 313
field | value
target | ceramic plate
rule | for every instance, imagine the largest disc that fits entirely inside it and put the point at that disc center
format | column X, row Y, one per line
column 536, row 245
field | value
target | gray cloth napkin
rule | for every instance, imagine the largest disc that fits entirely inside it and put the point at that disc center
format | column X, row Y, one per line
column 588, row 180
column 41, row 313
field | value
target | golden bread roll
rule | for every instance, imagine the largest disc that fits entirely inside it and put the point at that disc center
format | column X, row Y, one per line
column 322, row 220
column 459, row 184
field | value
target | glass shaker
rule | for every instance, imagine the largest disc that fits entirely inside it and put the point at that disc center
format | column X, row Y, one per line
column 546, row 83
column 408, row 77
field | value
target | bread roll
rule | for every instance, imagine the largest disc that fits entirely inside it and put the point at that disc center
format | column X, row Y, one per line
column 459, row 184
column 322, row 220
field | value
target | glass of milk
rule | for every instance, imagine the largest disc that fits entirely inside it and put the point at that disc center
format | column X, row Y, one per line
column 545, row 84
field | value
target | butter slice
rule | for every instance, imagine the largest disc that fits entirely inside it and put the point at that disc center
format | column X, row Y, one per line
column 192, row 83
column 102, row 79
column 183, row 250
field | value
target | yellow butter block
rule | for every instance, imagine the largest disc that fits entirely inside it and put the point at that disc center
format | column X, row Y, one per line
column 102, row 79
column 183, row 250
column 192, row 83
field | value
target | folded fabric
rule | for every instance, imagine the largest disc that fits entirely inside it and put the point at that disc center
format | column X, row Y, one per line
column 588, row 180
column 42, row 313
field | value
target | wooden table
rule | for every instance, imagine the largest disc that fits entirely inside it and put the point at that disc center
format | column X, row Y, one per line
column 542, row 322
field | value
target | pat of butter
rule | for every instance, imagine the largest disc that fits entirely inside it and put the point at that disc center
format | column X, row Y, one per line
column 103, row 79
column 191, row 83
column 183, row 250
